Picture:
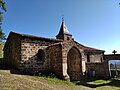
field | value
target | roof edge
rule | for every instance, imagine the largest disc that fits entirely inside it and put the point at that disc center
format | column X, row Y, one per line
column 36, row 37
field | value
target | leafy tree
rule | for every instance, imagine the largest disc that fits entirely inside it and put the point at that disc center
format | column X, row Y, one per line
column 2, row 8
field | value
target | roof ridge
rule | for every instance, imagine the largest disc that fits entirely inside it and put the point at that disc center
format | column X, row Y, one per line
column 32, row 36
column 91, row 48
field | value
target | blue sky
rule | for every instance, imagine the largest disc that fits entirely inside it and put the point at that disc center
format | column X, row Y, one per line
column 114, row 62
column 94, row 23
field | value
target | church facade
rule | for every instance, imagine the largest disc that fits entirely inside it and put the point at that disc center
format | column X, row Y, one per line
column 63, row 56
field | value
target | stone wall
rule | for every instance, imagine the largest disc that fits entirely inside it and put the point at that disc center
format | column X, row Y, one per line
column 29, row 55
column 112, row 57
column 95, row 57
column 12, row 51
column 66, row 47
column 67, row 37
column 101, row 69
column 56, row 59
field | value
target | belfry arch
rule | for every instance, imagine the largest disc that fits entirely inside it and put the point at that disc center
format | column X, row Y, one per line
column 74, row 64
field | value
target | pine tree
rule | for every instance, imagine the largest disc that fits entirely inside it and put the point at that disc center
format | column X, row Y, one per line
column 2, row 5
column 2, row 8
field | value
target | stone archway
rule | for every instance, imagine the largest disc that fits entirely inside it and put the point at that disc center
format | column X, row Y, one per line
column 107, row 58
column 74, row 64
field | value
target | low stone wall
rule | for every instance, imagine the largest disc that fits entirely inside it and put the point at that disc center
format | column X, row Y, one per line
column 101, row 69
column 112, row 57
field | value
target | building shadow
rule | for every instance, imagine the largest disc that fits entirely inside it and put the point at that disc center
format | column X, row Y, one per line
column 3, row 66
column 86, row 82
column 12, row 70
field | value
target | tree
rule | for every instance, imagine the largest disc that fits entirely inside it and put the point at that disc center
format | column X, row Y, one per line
column 2, row 35
column 2, row 8
column 111, row 66
column 2, row 5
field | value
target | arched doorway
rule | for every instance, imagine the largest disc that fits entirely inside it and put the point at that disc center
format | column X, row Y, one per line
column 74, row 62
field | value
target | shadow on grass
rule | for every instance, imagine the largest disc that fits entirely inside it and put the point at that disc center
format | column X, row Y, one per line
column 3, row 66
column 93, row 82
column 13, row 70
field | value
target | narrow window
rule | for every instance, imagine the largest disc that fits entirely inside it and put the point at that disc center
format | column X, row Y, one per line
column 40, row 55
column 88, row 58
column 68, row 38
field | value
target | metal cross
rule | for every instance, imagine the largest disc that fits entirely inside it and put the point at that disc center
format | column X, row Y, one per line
column 114, row 52
column 62, row 18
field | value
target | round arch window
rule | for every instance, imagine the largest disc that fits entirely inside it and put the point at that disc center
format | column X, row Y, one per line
column 40, row 55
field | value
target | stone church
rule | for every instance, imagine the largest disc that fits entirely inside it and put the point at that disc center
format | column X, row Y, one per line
column 63, row 56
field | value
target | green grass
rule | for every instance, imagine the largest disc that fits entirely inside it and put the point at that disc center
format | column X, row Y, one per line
column 9, row 80
column 94, row 83
column 56, row 80
column 1, row 49
column 99, row 82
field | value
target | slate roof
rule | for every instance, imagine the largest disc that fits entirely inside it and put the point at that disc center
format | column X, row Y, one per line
column 90, row 49
column 86, row 48
column 63, row 29
column 58, row 41
column 35, row 37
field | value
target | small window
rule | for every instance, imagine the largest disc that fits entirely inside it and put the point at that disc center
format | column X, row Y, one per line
column 68, row 38
column 88, row 58
column 40, row 55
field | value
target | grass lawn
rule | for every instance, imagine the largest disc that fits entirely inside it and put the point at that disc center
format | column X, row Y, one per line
column 11, row 81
